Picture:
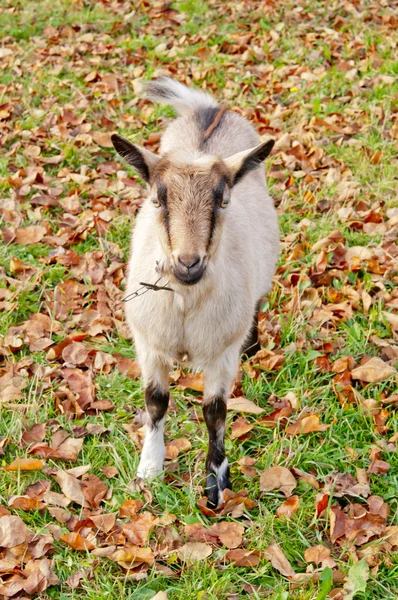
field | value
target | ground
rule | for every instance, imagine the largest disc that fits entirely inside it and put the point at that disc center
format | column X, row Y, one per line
column 319, row 77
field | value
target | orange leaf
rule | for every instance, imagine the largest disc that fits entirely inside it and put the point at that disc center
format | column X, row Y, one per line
column 25, row 464
column 307, row 424
column 77, row 541
column 240, row 427
column 289, row 507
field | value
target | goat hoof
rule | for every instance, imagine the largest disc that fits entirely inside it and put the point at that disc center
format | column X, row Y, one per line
column 149, row 471
column 215, row 488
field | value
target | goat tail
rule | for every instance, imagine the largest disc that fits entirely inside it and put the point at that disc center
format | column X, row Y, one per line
column 185, row 100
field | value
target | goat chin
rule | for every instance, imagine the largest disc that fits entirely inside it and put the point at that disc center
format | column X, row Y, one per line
column 208, row 322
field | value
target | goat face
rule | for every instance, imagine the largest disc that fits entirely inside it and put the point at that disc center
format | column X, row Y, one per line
column 190, row 201
column 189, row 196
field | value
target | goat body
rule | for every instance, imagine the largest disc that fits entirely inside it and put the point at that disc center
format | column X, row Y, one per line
column 204, row 324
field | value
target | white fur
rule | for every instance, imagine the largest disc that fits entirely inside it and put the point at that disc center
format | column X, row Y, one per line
column 153, row 452
column 182, row 98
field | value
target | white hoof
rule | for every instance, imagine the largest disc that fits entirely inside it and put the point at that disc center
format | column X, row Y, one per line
column 149, row 470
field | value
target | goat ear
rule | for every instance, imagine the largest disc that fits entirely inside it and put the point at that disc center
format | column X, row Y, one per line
column 141, row 159
column 241, row 163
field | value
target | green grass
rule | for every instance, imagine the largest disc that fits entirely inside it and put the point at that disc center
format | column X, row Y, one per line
column 48, row 76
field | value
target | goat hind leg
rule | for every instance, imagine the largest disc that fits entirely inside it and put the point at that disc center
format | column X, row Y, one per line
column 218, row 379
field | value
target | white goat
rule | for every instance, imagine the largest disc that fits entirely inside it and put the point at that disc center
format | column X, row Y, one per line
column 208, row 231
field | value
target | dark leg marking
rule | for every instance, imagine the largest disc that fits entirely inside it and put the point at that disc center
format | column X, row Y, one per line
column 217, row 471
column 156, row 402
column 252, row 345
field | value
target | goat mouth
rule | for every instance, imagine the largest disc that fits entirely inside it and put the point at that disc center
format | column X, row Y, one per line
column 187, row 278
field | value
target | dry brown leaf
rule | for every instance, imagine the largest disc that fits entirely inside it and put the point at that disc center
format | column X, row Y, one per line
column 138, row 527
column 130, row 556
column 103, row 139
column 71, row 487
column 104, row 522
column 240, row 427
column 77, row 541
column 94, row 490
column 243, row 558
column 320, row 555
column 278, row 560
column 194, row 551
column 130, row 507
column 110, row 472
column 288, row 508
column 13, row 531
column 192, row 381
column 307, row 424
column 225, row 532
column 75, row 353
column 373, row 371
column 175, row 447
column 25, row 503
column 35, row 434
column 242, row 404
column 30, row 235
column 277, row 478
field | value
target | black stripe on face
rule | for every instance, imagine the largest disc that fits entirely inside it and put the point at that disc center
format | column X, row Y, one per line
column 162, row 192
column 213, row 221
column 162, row 197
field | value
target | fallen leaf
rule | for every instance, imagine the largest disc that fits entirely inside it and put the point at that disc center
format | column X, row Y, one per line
column 277, row 478
column 240, row 427
column 110, row 472
column 243, row 558
column 30, row 235
column 307, row 424
column 138, row 527
column 288, row 508
column 25, row 464
column 192, row 381
column 77, row 541
column 194, row 551
column 131, row 555
column 71, row 487
column 25, row 503
column 242, row 404
column 175, row 447
column 278, row 560
column 373, row 371
column 13, row 531
column 225, row 532
column 75, row 353
column 130, row 507
column 320, row 555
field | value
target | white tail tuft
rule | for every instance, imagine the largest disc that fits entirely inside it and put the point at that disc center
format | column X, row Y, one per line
column 183, row 99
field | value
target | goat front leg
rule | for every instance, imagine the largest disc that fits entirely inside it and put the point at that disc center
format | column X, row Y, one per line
column 156, row 382
column 217, row 382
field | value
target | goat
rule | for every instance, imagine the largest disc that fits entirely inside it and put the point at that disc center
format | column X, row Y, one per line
column 207, row 231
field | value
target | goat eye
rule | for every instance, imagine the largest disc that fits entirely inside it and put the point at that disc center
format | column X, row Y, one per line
column 156, row 202
column 225, row 200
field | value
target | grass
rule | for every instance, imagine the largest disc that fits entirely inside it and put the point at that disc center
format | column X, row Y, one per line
column 48, row 75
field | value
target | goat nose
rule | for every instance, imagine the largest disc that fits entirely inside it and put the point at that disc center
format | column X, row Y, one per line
column 189, row 260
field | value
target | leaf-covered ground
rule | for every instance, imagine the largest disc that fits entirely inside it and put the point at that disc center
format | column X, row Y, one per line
column 312, row 426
